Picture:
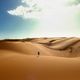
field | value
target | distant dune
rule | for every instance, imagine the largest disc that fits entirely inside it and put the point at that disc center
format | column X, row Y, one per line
column 58, row 59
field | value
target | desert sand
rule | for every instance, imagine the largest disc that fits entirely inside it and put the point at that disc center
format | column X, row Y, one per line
column 58, row 59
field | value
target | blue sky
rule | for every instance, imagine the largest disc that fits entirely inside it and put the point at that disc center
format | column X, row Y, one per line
column 39, row 18
column 12, row 26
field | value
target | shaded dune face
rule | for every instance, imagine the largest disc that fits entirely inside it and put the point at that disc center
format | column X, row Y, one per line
column 66, row 47
column 61, row 47
column 65, row 44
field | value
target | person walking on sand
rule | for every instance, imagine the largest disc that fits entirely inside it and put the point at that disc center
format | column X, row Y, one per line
column 38, row 53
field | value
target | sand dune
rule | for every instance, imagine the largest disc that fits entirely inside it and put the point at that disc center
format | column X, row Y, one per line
column 27, row 48
column 56, row 41
column 17, row 47
column 19, row 60
column 59, row 41
column 46, row 40
column 66, row 43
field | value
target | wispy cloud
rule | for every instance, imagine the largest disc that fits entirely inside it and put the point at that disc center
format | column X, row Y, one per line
column 20, row 11
column 32, row 10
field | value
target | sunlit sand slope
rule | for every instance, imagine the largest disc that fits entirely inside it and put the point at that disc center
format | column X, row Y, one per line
column 27, row 48
column 25, row 67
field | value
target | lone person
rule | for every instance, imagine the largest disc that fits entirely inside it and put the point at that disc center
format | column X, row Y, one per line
column 38, row 53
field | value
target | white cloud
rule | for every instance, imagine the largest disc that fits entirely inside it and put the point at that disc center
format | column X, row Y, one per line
column 32, row 11
column 44, row 8
column 29, row 2
column 55, row 16
column 20, row 11
column 37, row 8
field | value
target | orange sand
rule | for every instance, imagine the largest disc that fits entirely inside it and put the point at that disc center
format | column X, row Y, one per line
column 58, row 61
